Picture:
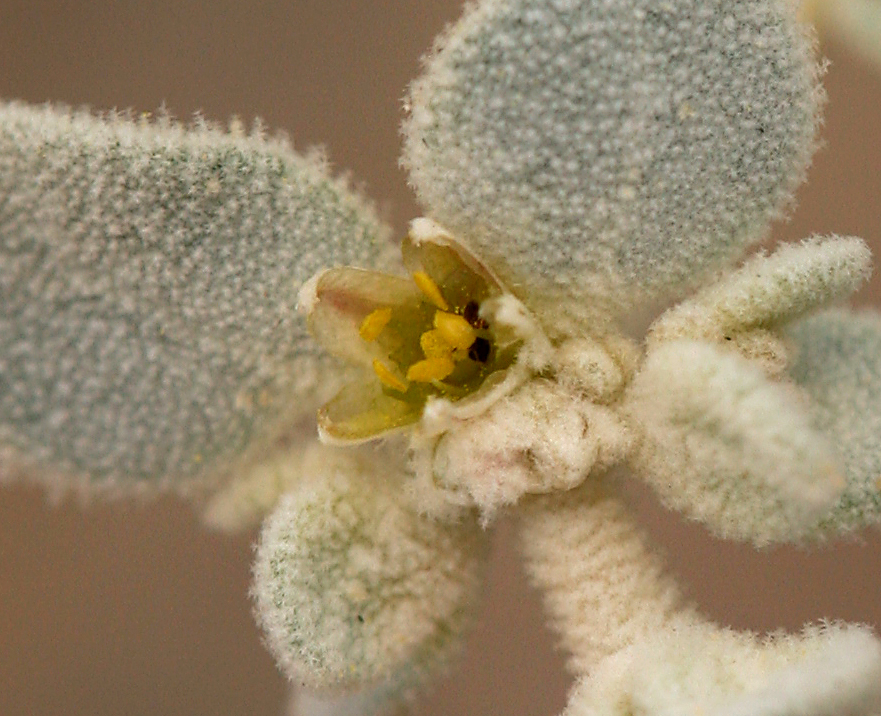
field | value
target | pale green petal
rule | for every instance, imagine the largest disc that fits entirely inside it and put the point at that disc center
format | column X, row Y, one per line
column 337, row 301
column 354, row 588
column 838, row 364
column 362, row 411
column 729, row 446
column 149, row 274
column 612, row 151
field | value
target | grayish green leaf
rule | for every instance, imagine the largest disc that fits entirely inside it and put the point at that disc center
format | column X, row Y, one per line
column 838, row 364
column 149, row 275
column 612, row 150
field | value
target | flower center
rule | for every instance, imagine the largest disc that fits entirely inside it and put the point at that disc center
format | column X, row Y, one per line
column 429, row 336
column 455, row 347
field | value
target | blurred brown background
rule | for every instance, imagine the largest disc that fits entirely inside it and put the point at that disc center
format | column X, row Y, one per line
column 136, row 610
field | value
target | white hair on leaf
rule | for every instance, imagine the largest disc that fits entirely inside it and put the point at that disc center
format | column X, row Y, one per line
column 769, row 291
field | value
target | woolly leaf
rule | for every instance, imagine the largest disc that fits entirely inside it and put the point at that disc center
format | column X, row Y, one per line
column 769, row 290
column 354, row 588
column 838, row 364
column 727, row 445
column 700, row 668
column 149, row 274
column 612, row 151
column 855, row 24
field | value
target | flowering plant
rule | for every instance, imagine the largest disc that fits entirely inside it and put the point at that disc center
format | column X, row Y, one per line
column 579, row 162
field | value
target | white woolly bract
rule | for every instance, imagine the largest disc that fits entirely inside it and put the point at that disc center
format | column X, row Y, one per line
column 721, row 441
column 769, row 290
column 702, row 669
column 150, row 273
column 353, row 588
column 539, row 439
column 837, row 363
column 600, row 153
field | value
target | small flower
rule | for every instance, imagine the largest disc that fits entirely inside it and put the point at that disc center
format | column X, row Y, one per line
column 443, row 334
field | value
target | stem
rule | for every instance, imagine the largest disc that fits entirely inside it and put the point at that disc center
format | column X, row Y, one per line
column 603, row 586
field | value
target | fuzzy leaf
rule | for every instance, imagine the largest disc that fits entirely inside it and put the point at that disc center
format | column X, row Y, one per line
column 838, row 364
column 354, row 588
column 612, row 152
column 770, row 290
column 149, row 274
column 603, row 586
column 727, row 445
column 639, row 650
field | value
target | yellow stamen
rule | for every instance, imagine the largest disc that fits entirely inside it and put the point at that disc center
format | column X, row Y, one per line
column 387, row 376
column 430, row 289
column 430, row 369
column 455, row 330
column 373, row 324
column 433, row 345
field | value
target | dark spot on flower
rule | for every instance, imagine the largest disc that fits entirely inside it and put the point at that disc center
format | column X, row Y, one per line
column 471, row 313
column 479, row 350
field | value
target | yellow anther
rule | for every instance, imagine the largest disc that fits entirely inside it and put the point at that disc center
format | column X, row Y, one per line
column 433, row 345
column 455, row 330
column 387, row 376
column 431, row 369
column 430, row 289
column 373, row 323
